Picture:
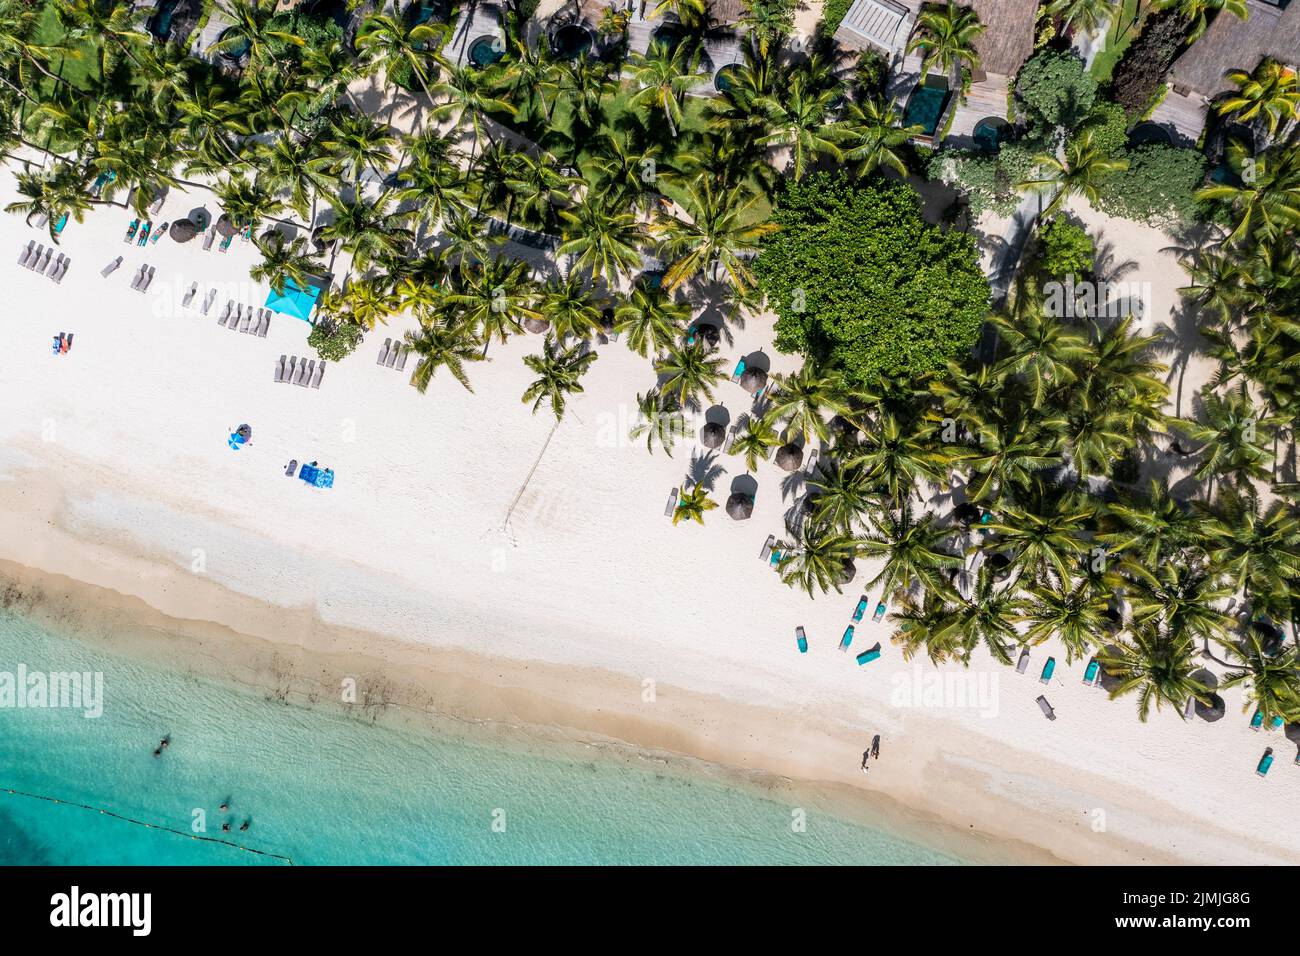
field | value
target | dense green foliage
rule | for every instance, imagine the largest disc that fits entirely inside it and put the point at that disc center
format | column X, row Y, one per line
column 863, row 284
column 1055, row 89
column 1066, row 249
column 334, row 341
column 1140, row 73
column 1158, row 187
column 990, row 181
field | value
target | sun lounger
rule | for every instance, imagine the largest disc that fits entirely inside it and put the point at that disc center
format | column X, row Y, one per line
column 1093, row 672
column 1046, row 708
column 293, row 465
column 189, row 296
column 1276, row 723
column 303, row 372
column 801, row 639
column 45, row 261
column 157, row 204
column 225, row 244
column 63, row 270
column 288, row 372
column 320, row 373
column 812, row 462
column 1257, row 720
column 54, row 266
column 35, row 259
column 279, row 370
column 1265, row 762
column 130, row 230
column 860, row 610
column 383, row 352
column 144, row 234
column 264, row 324
column 233, row 322
column 1189, row 707
column 67, row 342
column 111, row 267
column 230, row 304
column 740, row 370
column 672, row 504
column 775, row 560
column 247, row 320
column 392, row 355
column 207, row 239
column 869, row 655
column 148, row 279
column 847, row 639
column 880, row 612
column 1023, row 663
column 767, row 547
column 1048, row 669
column 27, row 252
column 208, row 300
column 139, row 277
column 402, row 352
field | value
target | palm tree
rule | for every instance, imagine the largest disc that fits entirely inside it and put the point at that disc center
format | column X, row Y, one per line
column 650, row 320
column 559, row 374
column 688, row 373
column 1258, row 550
column 1235, row 436
column 442, row 343
column 1008, row 458
column 570, row 307
column 1072, row 612
column 1266, row 203
column 913, row 551
column 717, row 231
column 871, row 133
column 251, row 30
column 1156, row 665
column 897, row 456
column 469, row 93
column 359, row 143
column 603, row 239
column 1084, row 16
column 1183, row 595
column 661, row 80
column 1040, row 349
column 1044, row 529
column 298, row 167
column 805, row 402
column 247, row 202
column 368, row 229
column 1270, row 93
column 693, row 504
column 1151, row 529
column 284, row 261
column 797, row 119
column 844, row 493
column 495, row 297
column 1196, row 12
column 54, row 194
column 1272, row 680
column 93, row 21
column 946, row 36
column 755, row 441
column 364, row 303
column 391, row 43
column 929, row 624
column 1078, row 174
column 433, row 184
column 660, row 419
column 210, row 123
column 822, row 560
column 988, row 618
column 690, row 12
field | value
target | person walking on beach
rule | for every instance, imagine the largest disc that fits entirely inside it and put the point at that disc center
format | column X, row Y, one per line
column 866, row 755
column 875, row 746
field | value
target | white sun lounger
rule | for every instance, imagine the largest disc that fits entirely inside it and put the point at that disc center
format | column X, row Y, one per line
column 767, row 548
column 207, row 302
column 35, row 260
column 279, row 370
column 230, row 304
column 383, row 352
column 139, row 278
column 246, row 320
column 304, row 373
column 320, row 373
column 63, row 270
column 288, row 372
column 54, row 266
column 1023, row 662
column 111, row 267
column 189, row 296
column 672, row 503
column 1046, row 708
column 148, row 279
column 392, row 355
column 265, row 324
column 812, row 462
column 44, row 260
column 401, row 357
column 27, row 252
column 207, row 240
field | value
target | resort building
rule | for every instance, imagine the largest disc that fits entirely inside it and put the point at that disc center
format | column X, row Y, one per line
column 886, row 26
column 1199, row 76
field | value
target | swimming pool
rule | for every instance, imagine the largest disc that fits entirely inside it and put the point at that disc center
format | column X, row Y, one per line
column 989, row 134
column 571, row 41
column 926, row 105
column 485, row 51
column 160, row 25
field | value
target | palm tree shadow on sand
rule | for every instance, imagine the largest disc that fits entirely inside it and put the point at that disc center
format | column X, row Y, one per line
column 705, row 469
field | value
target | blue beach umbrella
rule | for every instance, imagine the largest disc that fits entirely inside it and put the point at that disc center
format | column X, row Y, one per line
column 294, row 300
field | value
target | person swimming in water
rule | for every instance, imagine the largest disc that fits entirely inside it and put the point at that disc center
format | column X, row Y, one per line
column 244, row 826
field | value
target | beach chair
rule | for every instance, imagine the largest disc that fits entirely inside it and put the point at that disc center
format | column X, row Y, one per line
column 1276, row 723
column 1046, row 708
column 731, row 438
column 27, row 252
column 860, row 610
column 812, row 462
column 189, row 296
column 304, row 372
column 67, row 342
column 320, row 373
column 57, row 348
column 1189, row 707
column 130, row 230
column 35, row 258
column 225, row 244
column 235, row 316
column 159, row 233
column 672, row 504
column 156, row 205
column 801, row 639
column 293, row 465
column 63, row 270
column 880, row 612
column 1093, row 673
column 847, row 639
column 208, row 300
column 383, row 352
column 265, row 324
column 209, row 238
column 767, row 547
column 774, row 561
column 279, row 370
column 288, row 372
column 740, row 370
column 1265, row 762
column 45, row 261
column 247, row 320
column 1023, row 663
column 403, row 351
column 148, row 279
column 54, row 266
column 139, row 277
column 869, row 655
column 391, row 361
column 230, row 304
column 144, row 234
column 1048, row 669
column 1257, row 720
column 111, row 267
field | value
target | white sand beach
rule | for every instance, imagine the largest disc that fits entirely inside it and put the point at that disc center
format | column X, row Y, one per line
column 474, row 559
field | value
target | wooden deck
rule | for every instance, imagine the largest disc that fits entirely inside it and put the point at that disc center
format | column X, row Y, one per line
column 1182, row 115
column 986, row 98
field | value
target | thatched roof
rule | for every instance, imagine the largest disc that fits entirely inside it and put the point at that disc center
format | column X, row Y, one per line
column 712, row 434
column 226, row 226
column 182, row 230
column 1213, row 712
column 1232, row 44
column 848, row 571
column 726, row 11
column 535, row 325
column 1005, row 44
column 789, row 457
column 740, row 506
column 752, row 379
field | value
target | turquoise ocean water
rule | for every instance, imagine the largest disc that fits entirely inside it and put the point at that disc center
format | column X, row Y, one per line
column 325, row 789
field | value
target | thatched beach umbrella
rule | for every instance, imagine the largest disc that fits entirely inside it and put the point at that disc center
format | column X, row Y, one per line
column 244, row 431
column 848, row 571
column 226, row 226
column 708, row 334
column 740, row 506
column 789, row 457
column 535, row 325
column 1212, row 711
column 753, row 379
column 183, row 230
column 712, row 434
column 966, row 513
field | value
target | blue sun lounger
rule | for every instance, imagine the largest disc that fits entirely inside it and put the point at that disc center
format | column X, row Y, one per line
column 1276, row 723
column 880, row 612
column 869, row 655
column 775, row 559
column 1257, row 720
column 801, row 639
column 1265, row 762
column 1048, row 669
column 860, row 610
column 1092, row 673
column 847, row 639
column 740, row 370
